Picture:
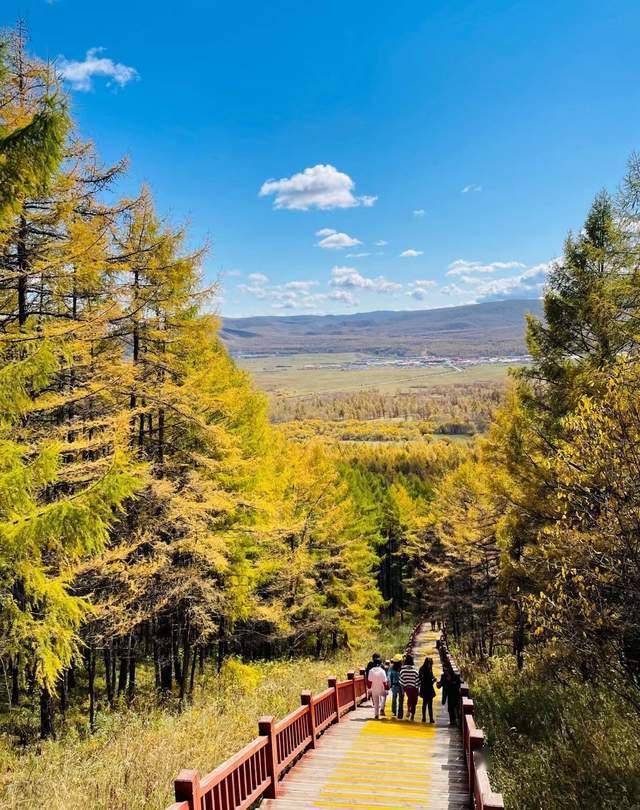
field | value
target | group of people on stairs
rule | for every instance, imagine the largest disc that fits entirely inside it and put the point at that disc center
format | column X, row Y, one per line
column 400, row 677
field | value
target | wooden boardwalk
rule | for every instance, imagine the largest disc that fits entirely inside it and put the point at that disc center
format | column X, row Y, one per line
column 382, row 764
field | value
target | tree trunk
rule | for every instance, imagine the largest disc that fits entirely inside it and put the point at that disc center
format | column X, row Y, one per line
column 122, row 674
column 222, row 645
column 186, row 664
column 71, row 680
column 177, row 664
column 46, row 714
column 23, row 268
column 111, row 696
column 518, row 637
column 91, row 670
column 15, row 681
column 165, row 653
column 131, row 688
column 63, row 695
column 193, row 672
column 125, row 666
column 156, row 664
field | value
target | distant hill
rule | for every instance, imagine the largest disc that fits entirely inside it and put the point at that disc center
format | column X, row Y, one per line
column 476, row 330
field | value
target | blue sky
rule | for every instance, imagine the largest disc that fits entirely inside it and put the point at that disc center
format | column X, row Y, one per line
column 468, row 136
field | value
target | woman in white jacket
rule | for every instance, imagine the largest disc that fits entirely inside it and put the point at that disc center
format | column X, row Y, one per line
column 378, row 685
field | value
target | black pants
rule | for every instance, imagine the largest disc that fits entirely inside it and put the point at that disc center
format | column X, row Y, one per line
column 412, row 700
column 427, row 703
column 452, row 706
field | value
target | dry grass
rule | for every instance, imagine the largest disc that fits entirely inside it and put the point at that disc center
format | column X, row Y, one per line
column 132, row 759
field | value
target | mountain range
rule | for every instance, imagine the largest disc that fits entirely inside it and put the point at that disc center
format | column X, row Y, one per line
column 475, row 330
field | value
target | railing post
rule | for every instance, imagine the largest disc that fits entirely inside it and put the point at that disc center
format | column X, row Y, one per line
column 476, row 741
column 266, row 728
column 306, row 698
column 351, row 676
column 333, row 682
column 187, row 788
column 363, row 672
column 466, row 705
column 464, row 693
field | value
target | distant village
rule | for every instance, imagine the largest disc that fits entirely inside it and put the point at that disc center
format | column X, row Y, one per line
column 369, row 361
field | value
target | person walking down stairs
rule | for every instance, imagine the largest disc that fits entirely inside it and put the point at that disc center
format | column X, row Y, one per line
column 427, row 691
column 410, row 683
column 397, row 698
column 378, row 684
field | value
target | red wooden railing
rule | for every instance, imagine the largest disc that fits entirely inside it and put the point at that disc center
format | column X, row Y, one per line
column 473, row 740
column 255, row 771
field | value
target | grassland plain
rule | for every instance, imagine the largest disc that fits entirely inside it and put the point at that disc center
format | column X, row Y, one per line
column 132, row 759
column 304, row 374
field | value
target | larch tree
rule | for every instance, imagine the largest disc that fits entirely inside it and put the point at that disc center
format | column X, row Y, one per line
column 178, row 573
column 64, row 457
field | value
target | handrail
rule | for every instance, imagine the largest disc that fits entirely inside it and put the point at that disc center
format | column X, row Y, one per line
column 473, row 741
column 254, row 772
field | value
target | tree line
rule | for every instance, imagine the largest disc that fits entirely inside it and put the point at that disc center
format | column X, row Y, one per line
column 469, row 407
column 149, row 514
column 535, row 548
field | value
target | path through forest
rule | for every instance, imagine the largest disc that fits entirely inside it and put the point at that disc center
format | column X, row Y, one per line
column 382, row 764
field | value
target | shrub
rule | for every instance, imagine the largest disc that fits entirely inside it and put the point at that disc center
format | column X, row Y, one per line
column 556, row 742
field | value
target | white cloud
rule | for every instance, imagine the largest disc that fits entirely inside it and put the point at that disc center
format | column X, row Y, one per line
column 344, row 296
column 334, row 240
column 381, row 243
column 454, row 289
column 419, row 212
column 289, row 304
column 463, row 267
column 420, row 288
column 411, row 253
column 321, row 186
column 529, row 284
column 258, row 278
column 252, row 289
column 80, row 74
column 471, row 187
column 300, row 285
column 384, row 286
column 349, row 277
column 486, row 282
column 357, row 255
column 296, row 294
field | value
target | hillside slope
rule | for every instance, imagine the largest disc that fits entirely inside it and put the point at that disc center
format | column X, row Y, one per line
column 494, row 328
